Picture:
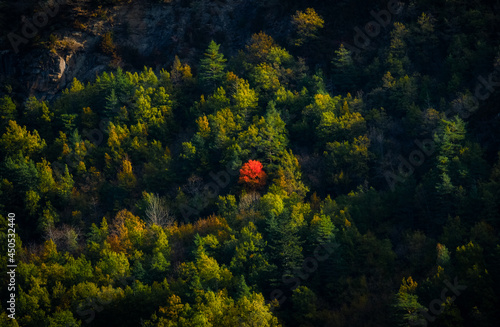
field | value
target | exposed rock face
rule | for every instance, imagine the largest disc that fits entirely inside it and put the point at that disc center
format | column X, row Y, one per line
column 39, row 72
column 7, row 66
column 147, row 33
column 47, row 74
column 44, row 73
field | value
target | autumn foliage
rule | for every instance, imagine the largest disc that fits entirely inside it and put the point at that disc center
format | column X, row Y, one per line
column 252, row 175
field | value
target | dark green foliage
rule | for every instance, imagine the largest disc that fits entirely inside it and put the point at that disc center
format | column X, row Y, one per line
column 7, row 110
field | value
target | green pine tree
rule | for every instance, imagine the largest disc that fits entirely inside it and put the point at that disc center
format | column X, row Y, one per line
column 242, row 289
column 7, row 110
column 344, row 69
column 212, row 67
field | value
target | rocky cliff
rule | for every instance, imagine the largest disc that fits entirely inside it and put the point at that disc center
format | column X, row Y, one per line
column 44, row 49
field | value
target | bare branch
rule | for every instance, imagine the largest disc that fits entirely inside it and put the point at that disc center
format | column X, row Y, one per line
column 158, row 212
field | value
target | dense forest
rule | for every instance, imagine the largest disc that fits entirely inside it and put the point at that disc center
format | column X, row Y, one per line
column 319, row 163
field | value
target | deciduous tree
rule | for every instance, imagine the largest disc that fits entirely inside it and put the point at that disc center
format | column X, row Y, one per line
column 307, row 25
column 252, row 175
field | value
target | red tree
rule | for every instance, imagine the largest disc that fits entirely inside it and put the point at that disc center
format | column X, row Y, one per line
column 252, row 175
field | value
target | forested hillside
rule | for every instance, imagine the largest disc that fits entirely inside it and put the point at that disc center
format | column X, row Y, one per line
column 250, row 163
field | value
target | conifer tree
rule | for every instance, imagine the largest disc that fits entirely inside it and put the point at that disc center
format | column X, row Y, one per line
column 212, row 67
column 242, row 289
column 7, row 110
column 344, row 69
